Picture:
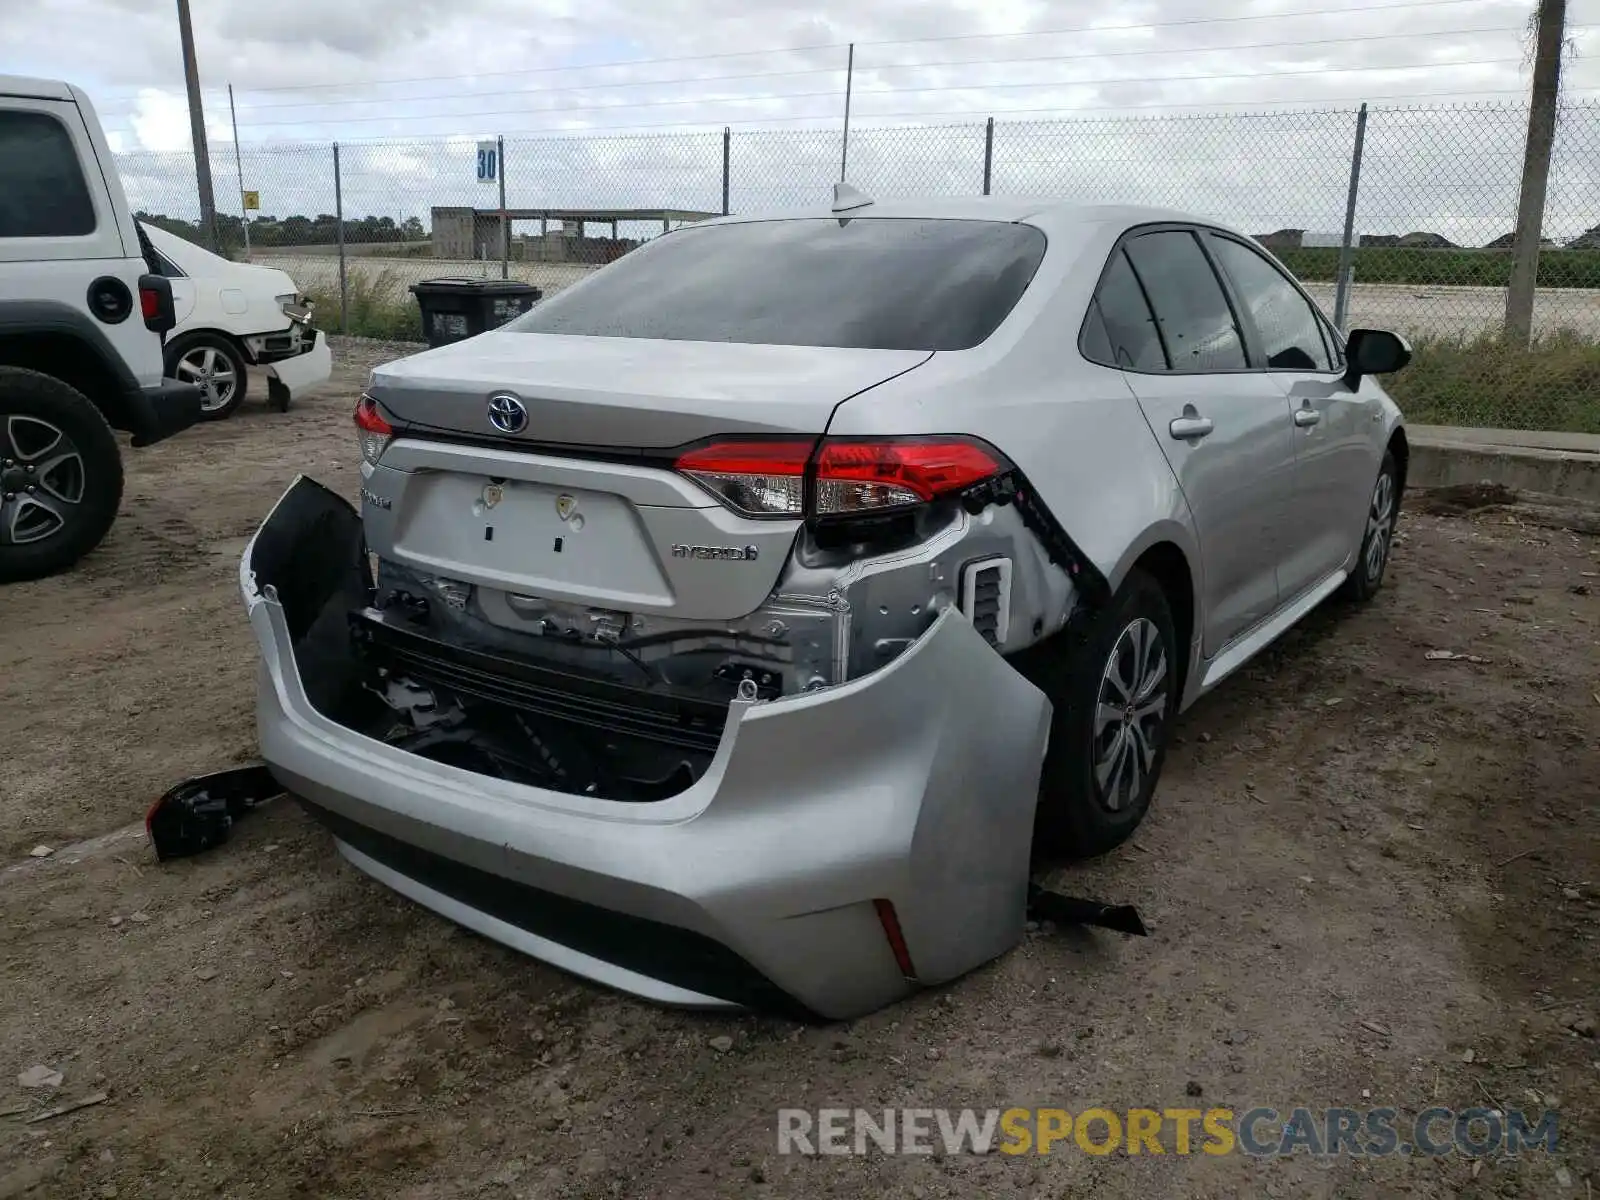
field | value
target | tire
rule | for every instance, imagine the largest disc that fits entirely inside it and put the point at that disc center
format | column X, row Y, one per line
column 1383, row 511
column 75, row 476
column 1079, row 816
column 215, row 363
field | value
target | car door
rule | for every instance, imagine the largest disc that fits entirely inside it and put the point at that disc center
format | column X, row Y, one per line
column 1335, row 448
column 1224, row 429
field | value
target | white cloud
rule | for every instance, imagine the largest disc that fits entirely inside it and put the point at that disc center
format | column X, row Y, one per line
column 662, row 77
column 160, row 121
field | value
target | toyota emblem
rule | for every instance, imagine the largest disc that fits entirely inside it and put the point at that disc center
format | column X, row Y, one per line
column 507, row 413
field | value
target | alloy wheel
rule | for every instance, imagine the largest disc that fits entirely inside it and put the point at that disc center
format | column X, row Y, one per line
column 1131, row 708
column 213, row 371
column 42, row 480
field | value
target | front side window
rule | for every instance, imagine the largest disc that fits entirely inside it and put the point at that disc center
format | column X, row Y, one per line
column 42, row 189
column 860, row 283
column 1192, row 313
column 1291, row 335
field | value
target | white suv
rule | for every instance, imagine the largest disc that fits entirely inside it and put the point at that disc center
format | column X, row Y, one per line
column 82, row 314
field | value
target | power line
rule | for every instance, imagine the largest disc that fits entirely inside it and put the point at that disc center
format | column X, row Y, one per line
column 936, row 64
column 1065, row 114
column 1025, row 33
column 1087, row 114
column 780, row 97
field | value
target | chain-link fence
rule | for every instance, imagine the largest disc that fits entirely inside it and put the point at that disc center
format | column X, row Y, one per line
column 1429, row 249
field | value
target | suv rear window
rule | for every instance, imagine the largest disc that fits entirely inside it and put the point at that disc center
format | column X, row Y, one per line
column 42, row 192
column 863, row 283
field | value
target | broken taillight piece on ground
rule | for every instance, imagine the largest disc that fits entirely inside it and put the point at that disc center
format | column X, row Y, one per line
column 199, row 813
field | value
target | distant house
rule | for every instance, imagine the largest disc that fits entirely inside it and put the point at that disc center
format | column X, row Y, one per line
column 1507, row 240
column 1425, row 241
column 1283, row 239
column 1587, row 240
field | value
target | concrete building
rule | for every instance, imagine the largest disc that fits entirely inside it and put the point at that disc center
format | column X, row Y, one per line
column 476, row 233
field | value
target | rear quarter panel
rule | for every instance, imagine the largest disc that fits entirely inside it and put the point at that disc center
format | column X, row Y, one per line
column 1074, row 428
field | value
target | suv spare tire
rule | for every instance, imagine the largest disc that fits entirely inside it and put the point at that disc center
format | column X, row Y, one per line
column 60, row 475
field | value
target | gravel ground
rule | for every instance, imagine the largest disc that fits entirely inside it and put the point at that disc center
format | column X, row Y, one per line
column 1362, row 865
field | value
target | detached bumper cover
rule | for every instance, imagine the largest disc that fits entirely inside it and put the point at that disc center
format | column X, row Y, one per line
column 304, row 371
column 756, row 886
column 154, row 414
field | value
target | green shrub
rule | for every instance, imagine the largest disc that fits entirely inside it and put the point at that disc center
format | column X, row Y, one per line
column 1482, row 381
column 374, row 310
column 1466, row 268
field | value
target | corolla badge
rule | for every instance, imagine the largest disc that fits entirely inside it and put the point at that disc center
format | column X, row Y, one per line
column 507, row 413
column 566, row 505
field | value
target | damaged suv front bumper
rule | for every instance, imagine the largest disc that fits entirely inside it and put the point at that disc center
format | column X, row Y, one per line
column 828, row 826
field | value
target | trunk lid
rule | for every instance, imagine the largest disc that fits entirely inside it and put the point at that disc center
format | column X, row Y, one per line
column 630, row 393
column 522, row 522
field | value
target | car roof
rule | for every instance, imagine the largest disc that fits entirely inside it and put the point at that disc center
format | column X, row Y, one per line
column 34, row 89
column 1027, row 209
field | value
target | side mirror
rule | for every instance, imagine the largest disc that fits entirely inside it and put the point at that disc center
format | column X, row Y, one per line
column 1374, row 352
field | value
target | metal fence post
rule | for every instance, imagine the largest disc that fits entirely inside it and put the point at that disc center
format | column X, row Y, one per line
column 988, row 154
column 505, row 219
column 727, row 158
column 338, row 220
column 1341, row 299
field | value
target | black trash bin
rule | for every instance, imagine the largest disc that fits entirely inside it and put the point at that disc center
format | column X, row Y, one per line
column 453, row 309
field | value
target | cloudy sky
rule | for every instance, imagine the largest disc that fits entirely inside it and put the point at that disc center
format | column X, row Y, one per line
column 391, row 81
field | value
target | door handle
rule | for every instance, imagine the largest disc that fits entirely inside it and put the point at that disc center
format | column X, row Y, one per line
column 1306, row 417
column 1190, row 427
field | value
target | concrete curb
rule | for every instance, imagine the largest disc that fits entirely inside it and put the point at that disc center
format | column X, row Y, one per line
column 1559, row 464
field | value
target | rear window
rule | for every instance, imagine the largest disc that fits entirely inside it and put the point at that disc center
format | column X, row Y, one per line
column 42, row 190
column 864, row 283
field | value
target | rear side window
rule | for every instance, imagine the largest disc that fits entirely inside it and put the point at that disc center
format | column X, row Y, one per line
column 42, row 190
column 1192, row 313
column 1129, row 331
column 861, row 283
column 1291, row 335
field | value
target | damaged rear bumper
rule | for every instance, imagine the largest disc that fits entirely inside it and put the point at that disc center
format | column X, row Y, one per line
column 757, row 886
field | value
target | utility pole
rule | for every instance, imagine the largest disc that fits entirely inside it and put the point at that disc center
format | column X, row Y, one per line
column 238, row 166
column 1542, row 114
column 197, row 130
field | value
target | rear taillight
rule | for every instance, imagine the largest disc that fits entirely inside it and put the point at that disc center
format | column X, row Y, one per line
column 865, row 477
column 758, row 479
column 149, row 303
column 372, row 430
column 850, row 476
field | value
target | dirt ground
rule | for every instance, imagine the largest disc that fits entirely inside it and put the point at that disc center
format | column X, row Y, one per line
column 1362, row 865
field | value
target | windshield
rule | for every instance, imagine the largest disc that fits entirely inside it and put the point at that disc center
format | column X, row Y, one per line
column 863, row 283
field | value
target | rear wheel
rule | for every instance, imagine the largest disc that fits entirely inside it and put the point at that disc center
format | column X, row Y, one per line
column 60, row 475
column 1114, row 689
column 213, row 362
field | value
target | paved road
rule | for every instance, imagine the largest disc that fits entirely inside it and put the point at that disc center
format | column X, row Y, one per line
column 1415, row 309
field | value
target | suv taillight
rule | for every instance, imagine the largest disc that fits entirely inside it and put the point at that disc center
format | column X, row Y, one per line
column 372, row 430
column 848, row 476
column 155, row 304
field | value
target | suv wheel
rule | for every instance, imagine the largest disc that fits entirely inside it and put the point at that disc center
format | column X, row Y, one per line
column 60, row 475
column 216, row 365
column 1383, row 510
column 1115, row 692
